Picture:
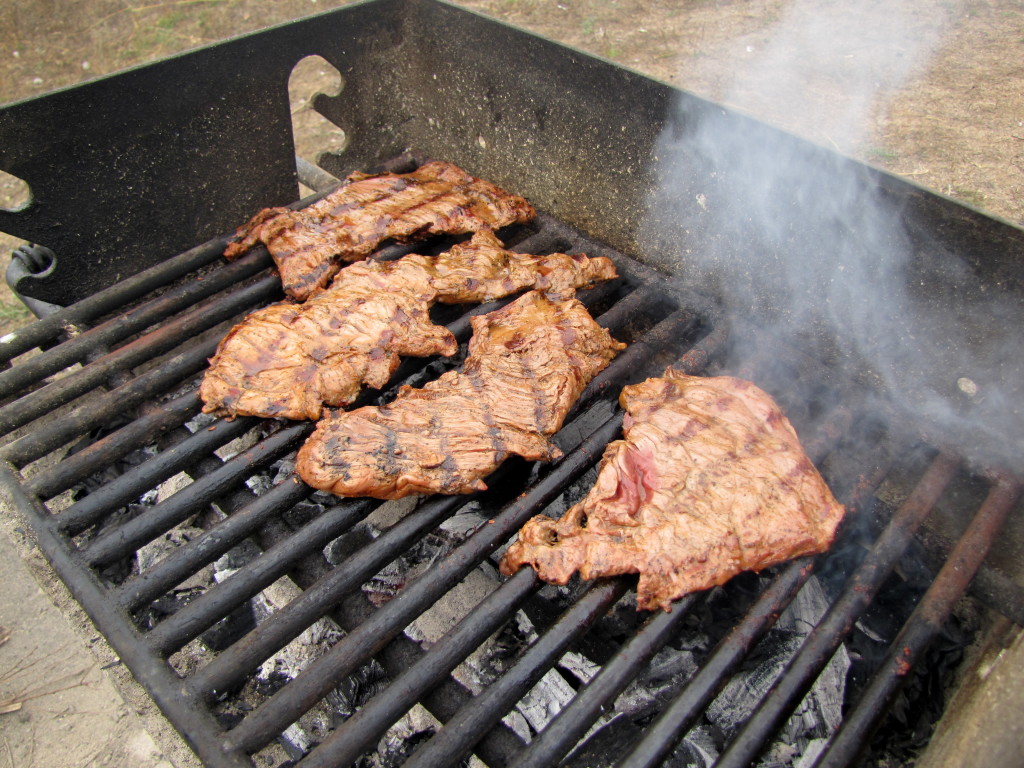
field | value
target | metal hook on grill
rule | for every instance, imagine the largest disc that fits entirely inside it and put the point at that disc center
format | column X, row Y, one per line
column 31, row 260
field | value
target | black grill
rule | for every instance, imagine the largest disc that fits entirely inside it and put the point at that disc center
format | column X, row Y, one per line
column 72, row 466
column 101, row 418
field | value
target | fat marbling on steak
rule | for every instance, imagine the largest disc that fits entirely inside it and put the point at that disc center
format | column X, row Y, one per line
column 528, row 363
column 310, row 245
column 288, row 360
column 709, row 480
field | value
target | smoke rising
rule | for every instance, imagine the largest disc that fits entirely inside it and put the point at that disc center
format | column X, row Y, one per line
column 840, row 260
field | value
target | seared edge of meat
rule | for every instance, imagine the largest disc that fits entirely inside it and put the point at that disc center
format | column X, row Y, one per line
column 528, row 363
column 310, row 245
column 709, row 480
column 289, row 359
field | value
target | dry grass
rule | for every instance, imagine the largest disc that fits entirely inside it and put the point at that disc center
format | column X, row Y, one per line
column 26, row 668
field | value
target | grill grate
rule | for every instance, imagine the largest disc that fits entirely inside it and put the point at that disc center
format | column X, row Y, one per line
column 108, row 383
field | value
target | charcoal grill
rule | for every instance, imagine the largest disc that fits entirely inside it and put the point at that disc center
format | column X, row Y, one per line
column 137, row 178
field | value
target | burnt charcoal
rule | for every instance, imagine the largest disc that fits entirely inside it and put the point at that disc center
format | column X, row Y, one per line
column 392, row 751
column 696, row 750
column 237, row 557
column 294, row 751
column 270, row 682
column 200, row 422
column 908, row 726
column 656, row 685
column 358, row 688
column 283, row 469
column 346, row 545
column 167, row 605
column 820, row 712
column 508, row 645
column 111, row 471
column 667, row 666
column 460, row 527
column 884, row 618
column 305, row 511
column 621, row 621
column 230, row 629
column 229, row 720
column 606, row 745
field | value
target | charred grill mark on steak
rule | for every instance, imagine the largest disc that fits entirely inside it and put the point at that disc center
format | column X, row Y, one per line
column 479, row 387
column 509, row 398
column 709, row 480
column 310, row 245
column 290, row 359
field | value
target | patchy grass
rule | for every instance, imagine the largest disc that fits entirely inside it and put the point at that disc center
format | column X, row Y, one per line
column 969, row 196
column 876, row 154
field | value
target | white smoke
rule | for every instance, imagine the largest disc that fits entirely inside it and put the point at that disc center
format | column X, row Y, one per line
column 796, row 234
column 827, row 70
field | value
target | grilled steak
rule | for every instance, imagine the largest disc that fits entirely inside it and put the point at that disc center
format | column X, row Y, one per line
column 709, row 480
column 528, row 363
column 309, row 245
column 289, row 359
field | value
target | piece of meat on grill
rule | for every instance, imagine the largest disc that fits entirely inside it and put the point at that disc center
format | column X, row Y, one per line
column 288, row 360
column 709, row 480
column 528, row 363
column 310, row 245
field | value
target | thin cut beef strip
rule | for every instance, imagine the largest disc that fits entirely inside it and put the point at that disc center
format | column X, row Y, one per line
column 528, row 363
column 709, row 480
column 310, row 245
column 288, row 359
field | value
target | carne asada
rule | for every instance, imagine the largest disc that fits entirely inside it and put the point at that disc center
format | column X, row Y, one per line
column 310, row 245
column 528, row 363
column 709, row 480
column 289, row 359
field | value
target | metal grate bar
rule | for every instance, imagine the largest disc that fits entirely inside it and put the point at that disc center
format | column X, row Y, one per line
column 192, row 720
column 108, row 407
column 219, row 601
column 115, row 297
column 192, row 556
column 78, row 348
column 297, row 697
column 562, row 733
column 923, row 625
column 101, row 502
column 165, row 338
column 232, row 665
column 126, row 538
column 823, row 640
column 660, row 737
column 165, row 636
column 76, row 467
column 361, row 731
column 455, row 740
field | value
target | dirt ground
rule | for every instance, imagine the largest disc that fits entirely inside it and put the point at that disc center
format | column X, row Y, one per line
column 931, row 90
